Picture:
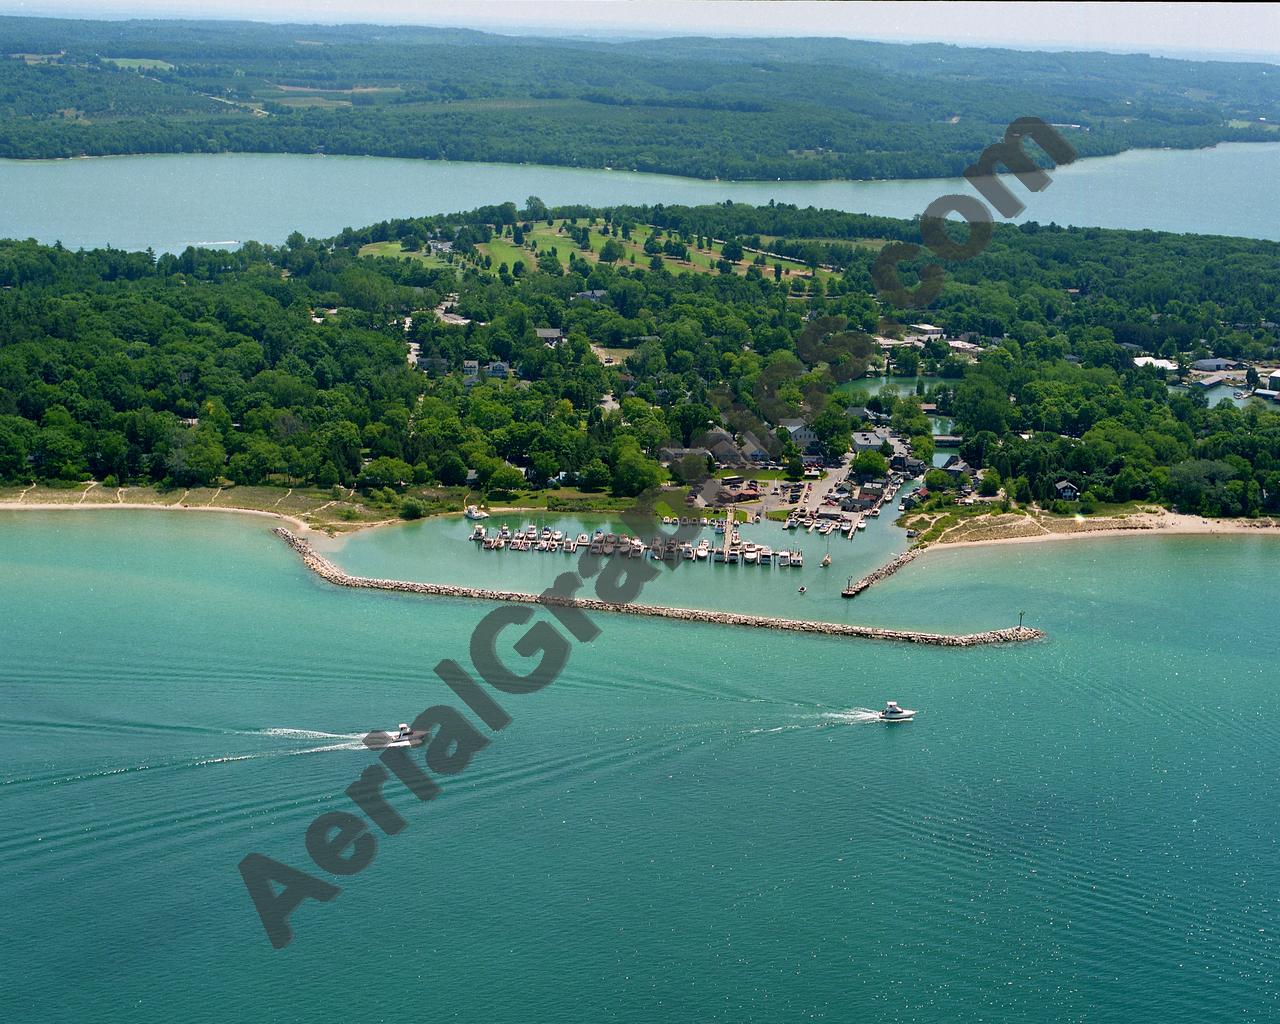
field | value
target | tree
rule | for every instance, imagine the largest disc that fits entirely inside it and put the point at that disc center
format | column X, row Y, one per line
column 594, row 476
column 195, row 458
column 833, row 431
column 907, row 362
column 451, row 470
column 384, row 472
column 870, row 465
column 634, row 474
column 505, row 478
column 937, row 480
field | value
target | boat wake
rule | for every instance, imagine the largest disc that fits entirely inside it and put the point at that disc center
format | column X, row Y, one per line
column 854, row 716
column 305, row 734
column 823, row 720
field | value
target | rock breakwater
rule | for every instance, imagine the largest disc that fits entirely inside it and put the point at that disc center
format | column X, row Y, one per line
column 329, row 572
column 884, row 572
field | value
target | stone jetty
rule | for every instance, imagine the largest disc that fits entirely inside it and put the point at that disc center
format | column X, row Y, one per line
column 883, row 573
column 326, row 570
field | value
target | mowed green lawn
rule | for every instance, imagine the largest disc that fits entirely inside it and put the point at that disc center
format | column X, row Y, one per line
column 136, row 63
column 548, row 236
column 392, row 249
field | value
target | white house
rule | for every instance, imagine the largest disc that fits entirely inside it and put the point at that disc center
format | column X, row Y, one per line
column 801, row 433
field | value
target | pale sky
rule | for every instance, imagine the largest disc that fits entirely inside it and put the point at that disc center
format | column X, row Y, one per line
column 1241, row 30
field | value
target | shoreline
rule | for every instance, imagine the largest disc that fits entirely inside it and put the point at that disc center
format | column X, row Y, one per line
column 1144, row 524
column 138, row 506
column 524, row 164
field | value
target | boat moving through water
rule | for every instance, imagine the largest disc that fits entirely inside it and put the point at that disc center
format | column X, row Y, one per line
column 404, row 736
column 893, row 713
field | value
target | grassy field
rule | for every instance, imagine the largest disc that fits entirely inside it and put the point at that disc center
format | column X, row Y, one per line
column 139, row 63
column 543, row 237
column 701, row 261
column 392, row 250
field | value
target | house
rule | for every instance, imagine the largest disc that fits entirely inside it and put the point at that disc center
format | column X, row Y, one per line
column 1213, row 365
column 726, row 453
column 593, row 295
column 801, row 433
column 470, row 371
column 891, row 343
column 1159, row 364
column 1066, row 490
column 868, row 440
column 753, row 449
column 498, row 368
column 858, row 500
column 958, row 469
column 669, row 455
column 439, row 247
column 927, row 330
column 549, row 336
column 1270, row 378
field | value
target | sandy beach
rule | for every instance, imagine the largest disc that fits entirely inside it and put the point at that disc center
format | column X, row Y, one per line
column 137, row 506
column 1019, row 529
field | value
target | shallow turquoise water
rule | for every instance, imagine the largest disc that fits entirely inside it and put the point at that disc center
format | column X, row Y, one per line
column 690, row 824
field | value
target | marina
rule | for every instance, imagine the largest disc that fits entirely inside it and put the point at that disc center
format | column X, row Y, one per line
column 328, row 571
column 732, row 550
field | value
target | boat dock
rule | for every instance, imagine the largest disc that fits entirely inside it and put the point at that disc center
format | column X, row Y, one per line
column 329, row 572
column 733, row 550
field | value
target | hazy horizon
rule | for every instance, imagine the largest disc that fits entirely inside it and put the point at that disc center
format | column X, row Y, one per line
column 1208, row 31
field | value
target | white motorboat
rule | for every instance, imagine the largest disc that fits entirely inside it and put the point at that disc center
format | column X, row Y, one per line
column 402, row 737
column 702, row 550
column 475, row 512
column 893, row 713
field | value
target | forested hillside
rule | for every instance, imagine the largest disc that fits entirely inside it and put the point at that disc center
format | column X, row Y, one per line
column 290, row 365
column 781, row 108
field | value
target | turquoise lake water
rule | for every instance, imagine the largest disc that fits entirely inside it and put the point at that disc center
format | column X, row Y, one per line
column 168, row 202
column 692, row 823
